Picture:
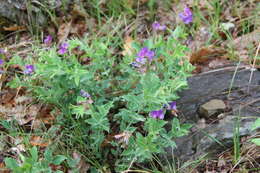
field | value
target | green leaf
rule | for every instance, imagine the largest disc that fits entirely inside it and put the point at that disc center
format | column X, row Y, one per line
column 34, row 153
column 134, row 102
column 129, row 116
column 179, row 130
column 256, row 124
column 99, row 120
column 58, row 171
column 104, row 109
column 57, row 160
column 178, row 32
column 11, row 163
column 15, row 83
column 154, row 126
column 150, row 83
column 78, row 110
column 149, row 43
column 48, row 155
column 256, row 141
column 72, row 162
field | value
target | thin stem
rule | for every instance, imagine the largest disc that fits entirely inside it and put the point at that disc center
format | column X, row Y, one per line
column 253, row 67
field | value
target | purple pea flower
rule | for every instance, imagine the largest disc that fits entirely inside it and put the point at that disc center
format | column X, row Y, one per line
column 172, row 106
column 157, row 26
column 63, row 48
column 140, row 60
column 87, row 96
column 145, row 52
column 157, row 114
column 48, row 39
column 84, row 94
column 1, row 62
column 2, row 51
column 186, row 15
column 135, row 64
column 29, row 69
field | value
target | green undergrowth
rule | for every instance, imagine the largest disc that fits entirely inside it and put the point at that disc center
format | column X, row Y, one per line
column 112, row 106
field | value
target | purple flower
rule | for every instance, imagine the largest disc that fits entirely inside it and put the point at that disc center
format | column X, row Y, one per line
column 186, row 15
column 48, row 39
column 157, row 114
column 135, row 64
column 141, row 57
column 84, row 94
column 29, row 69
column 172, row 106
column 157, row 26
column 1, row 62
column 2, row 51
column 145, row 52
column 140, row 60
column 63, row 48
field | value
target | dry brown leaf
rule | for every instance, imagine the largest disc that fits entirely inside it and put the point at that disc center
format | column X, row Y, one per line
column 7, row 96
column 64, row 31
column 79, row 28
column 221, row 162
column 123, row 138
column 20, row 113
column 3, row 169
column 18, row 108
column 205, row 55
column 39, row 141
column 43, row 121
column 15, row 28
column 128, row 50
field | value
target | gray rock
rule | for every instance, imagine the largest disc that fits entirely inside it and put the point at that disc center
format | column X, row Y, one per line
column 213, row 107
column 243, row 109
column 215, row 137
column 24, row 12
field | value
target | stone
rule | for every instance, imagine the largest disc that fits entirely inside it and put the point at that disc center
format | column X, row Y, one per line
column 213, row 107
column 243, row 108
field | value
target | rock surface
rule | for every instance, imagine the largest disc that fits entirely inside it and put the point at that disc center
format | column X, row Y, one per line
column 213, row 107
column 18, row 11
column 241, row 107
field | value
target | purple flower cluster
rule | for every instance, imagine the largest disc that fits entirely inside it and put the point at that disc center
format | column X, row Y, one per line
column 160, row 113
column 186, row 15
column 29, row 69
column 84, row 94
column 63, row 48
column 157, row 26
column 145, row 52
column 48, row 39
column 172, row 106
column 157, row 114
column 142, row 57
column 1, row 62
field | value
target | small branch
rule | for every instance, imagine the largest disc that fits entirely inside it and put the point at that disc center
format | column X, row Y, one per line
column 253, row 67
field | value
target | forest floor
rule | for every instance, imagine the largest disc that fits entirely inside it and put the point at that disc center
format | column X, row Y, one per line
column 221, row 32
